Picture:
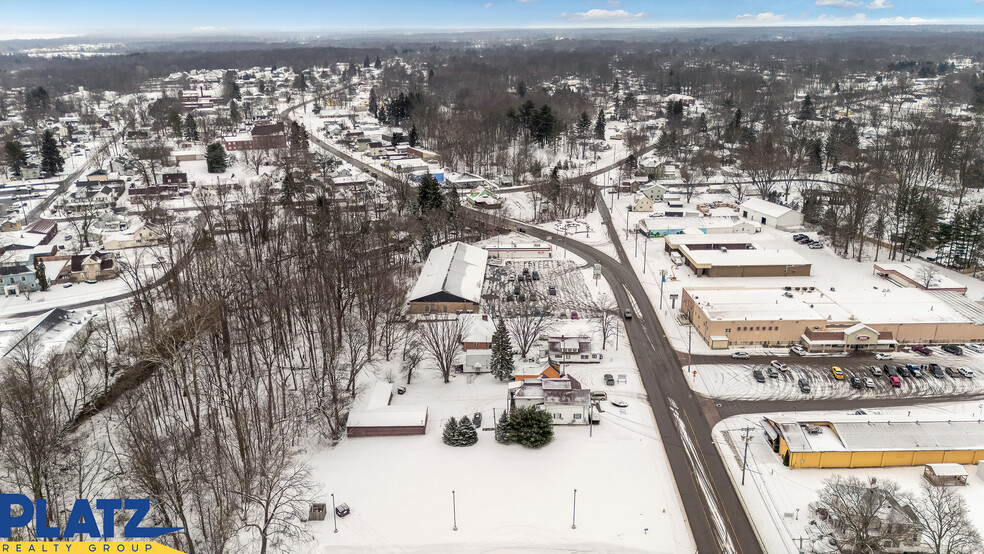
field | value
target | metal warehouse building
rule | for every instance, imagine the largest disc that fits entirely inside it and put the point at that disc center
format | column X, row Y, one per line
column 873, row 441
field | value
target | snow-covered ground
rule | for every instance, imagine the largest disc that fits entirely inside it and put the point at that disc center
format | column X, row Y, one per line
column 777, row 498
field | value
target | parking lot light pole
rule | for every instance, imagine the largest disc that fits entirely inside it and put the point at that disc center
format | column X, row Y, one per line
column 334, row 514
column 454, row 513
column 574, row 512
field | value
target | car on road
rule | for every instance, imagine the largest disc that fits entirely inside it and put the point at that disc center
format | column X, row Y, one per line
column 620, row 403
column 798, row 350
column 609, row 380
column 875, row 370
column 856, row 382
column 869, row 383
column 599, row 395
column 740, row 355
column 804, row 385
column 968, row 373
column 952, row 349
column 759, row 376
column 883, row 356
column 952, row 372
column 975, row 348
column 838, row 373
column 895, row 381
column 628, row 314
column 921, row 349
column 771, row 372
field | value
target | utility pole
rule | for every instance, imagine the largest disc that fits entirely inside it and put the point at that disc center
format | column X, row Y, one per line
column 454, row 512
column 574, row 512
column 645, row 249
column 747, row 437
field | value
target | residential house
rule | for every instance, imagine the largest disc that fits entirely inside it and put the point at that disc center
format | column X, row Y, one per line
column 641, row 203
column 576, row 349
column 895, row 526
column 98, row 175
column 152, row 194
column 552, row 371
column 377, row 149
column 45, row 227
column 144, row 234
column 96, row 266
column 17, row 279
column 562, row 398
column 31, row 171
column 477, row 342
column 483, row 198
column 180, row 179
column 655, row 193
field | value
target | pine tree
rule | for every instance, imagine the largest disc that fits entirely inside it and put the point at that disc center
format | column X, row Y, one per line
column 299, row 82
column 806, row 109
column 366, row 62
column 583, row 124
column 413, row 138
column 379, row 63
column 599, row 129
column 429, row 195
column 215, row 158
column 450, row 436
column 521, row 89
column 234, row 113
column 52, row 161
column 502, row 365
column 503, row 431
column 702, row 123
column 467, row 435
column 14, row 157
column 39, row 273
column 373, row 102
column 191, row 128
column 174, row 121
column 530, row 427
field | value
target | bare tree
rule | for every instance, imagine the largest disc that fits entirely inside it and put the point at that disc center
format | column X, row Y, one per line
column 945, row 523
column 527, row 327
column 441, row 339
column 606, row 310
column 853, row 506
column 928, row 275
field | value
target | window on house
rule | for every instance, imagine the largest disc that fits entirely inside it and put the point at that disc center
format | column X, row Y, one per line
column 727, row 330
column 584, row 356
column 577, row 416
column 558, row 416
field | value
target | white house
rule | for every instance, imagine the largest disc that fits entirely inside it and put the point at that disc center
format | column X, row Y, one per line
column 641, row 203
column 770, row 214
column 654, row 192
column 477, row 342
column 563, row 398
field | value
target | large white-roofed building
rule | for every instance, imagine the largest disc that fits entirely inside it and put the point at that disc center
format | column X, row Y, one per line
column 450, row 281
column 770, row 214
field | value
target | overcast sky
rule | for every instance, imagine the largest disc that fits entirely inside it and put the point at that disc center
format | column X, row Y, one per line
column 54, row 17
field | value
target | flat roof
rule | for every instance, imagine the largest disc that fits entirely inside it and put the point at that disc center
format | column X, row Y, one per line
column 911, row 271
column 877, row 433
column 737, row 303
column 765, row 207
column 731, row 258
column 714, row 238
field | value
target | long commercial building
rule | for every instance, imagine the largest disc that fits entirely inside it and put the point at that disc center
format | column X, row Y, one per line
column 860, row 319
column 735, row 255
column 873, row 441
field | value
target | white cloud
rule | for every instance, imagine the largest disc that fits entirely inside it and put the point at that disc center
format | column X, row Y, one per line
column 880, row 5
column 602, row 15
column 905, row 20
column 207, row 29
column 846, row 4
column 489, row 5
column 856, row 18
column 764, row 17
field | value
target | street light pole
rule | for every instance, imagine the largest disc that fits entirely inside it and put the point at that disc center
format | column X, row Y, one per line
column 334, row 515
column 574, row 512
column 645, row 250
column 744, row 461
column 454, row 513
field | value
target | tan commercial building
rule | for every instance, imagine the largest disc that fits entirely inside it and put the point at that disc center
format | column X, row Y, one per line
column 734, row 255
column 829, row 320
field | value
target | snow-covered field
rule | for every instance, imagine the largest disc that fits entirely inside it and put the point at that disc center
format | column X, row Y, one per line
column 777, row 498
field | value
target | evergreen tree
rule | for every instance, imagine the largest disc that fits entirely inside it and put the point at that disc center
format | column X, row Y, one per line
column 366, row 62
column 39, row 273
column 530, row 427
column 583, row 124
column 14, row 157
column 299, row 82
column 378, row 64
column 615, row 87
column 702, row 123
column 502, row 364
column 837, row 86
column 52, row 161
column 806, row 109
column 618, row 106
column 599, row 129
column 191, row 128
column 467, row 435
column 234, row 113
column 174, row 122
column 450, row 436
column 503, row 432
column 521, row 89
column 373, row 102
column 429, row 195
column 215, row 158
column 413, row 138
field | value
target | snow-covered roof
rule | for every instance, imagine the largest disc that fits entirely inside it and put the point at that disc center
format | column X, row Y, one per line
column 457, row 269
column 947, row 470
column 375, row 411
column 730, row 258
column 875, row 433
column 765, row 207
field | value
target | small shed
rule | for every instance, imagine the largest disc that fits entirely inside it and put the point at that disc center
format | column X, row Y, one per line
column 942, row 475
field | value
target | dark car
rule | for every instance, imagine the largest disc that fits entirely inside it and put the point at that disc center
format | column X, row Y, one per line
column 628, row 314
column 771, row 372
column 937, row 371
column 536, row 275
column 804, row 385
column 922, row 350
column 856, row 382
column 477, row 420
column 934, row 367
column 891, row 371
column 342, row 510
column 759, row 376
column 609, row 380
column 952, row 349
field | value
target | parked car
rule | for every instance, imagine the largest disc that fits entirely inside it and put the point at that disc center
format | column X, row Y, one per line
column 883, row 356
column 759, row 376
column 574, row 315
column 937, row 372
column 477, row 420
column 975, row 348
column 599, row 395
column 779, row 365
column 933, row 367
column 740, row 355
column 342, row 510
column 804, row 385
column 838, row 373
column 771, row 372
column 968, row 373
column 536, row 275
column 890, row 370
column 952, row 372
column 952, row 349
column 816, row 246
column 903, row 371
column 921, row 349
column 856, row 382
column 628, row 314
column 798, row 350
column 620, row 403
column 916, row 372
column 895, row 381
column 876, row 371
column 869, row 383
column 609, row 380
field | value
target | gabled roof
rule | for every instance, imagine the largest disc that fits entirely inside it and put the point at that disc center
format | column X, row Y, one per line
column 765, row 207
column 456, row 269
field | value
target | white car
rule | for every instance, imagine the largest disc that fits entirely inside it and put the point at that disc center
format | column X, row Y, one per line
column 798, row 350
column 779, row 365
column 883, row 356
column 869, row 383
column 968, row 373
column 740, row 355
column 975, row 348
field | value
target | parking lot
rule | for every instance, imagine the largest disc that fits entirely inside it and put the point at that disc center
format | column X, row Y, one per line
column 503, row 294
column 735, row 381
